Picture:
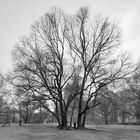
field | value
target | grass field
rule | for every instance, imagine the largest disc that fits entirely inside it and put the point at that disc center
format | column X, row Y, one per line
column 45, row 132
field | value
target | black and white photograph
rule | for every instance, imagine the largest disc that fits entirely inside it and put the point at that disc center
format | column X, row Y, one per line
column 69, row 70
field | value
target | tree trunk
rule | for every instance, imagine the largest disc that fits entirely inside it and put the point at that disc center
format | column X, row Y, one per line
column 20, row 118
column 84, row 119
column 72, row 112
column 79, row 121
column 123, row 117
column 138, row 118
column 106, row 120
column 138, row 110
column 64, row 121
column 71, row 117
column 26, row 119
column 63, row 115
column 40, row 113
column 57, row 114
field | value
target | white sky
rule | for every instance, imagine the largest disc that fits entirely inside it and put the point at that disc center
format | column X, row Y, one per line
column 16, row 16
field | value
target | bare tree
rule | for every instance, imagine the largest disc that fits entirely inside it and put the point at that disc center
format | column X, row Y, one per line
column 42, row 58
column 106, row 106
column 58, row 45
column 134, row 94
column 94, row 45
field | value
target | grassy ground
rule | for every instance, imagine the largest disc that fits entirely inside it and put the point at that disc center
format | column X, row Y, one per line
column 44, row 132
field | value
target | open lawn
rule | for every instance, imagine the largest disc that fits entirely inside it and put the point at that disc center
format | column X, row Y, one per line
column 48, row 132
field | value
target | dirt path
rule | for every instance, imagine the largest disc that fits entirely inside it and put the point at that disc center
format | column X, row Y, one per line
column 44, row 132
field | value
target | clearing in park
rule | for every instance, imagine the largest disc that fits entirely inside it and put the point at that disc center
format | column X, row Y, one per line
column 50, row 132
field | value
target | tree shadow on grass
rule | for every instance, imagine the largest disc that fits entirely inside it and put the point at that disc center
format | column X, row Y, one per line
column 107, row 135
column 43, row 132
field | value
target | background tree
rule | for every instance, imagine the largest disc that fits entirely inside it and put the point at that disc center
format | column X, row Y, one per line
column 107, row 107
column 134, row 94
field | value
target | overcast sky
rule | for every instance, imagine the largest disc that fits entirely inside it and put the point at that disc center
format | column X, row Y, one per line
column 16, row 16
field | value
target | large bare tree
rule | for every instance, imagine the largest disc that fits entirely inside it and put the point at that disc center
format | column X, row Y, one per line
column 59, row 45
column 93, row 45
column 41, row 61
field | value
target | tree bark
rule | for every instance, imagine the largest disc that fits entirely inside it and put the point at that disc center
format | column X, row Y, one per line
column 63, row 115
column 20, row 118
column 123, row 117
column 106, row 120
column 79, row 121
column 26, row 119
column 84, row 119
column 63, row 123
column 40, row 113
column 72, row 112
